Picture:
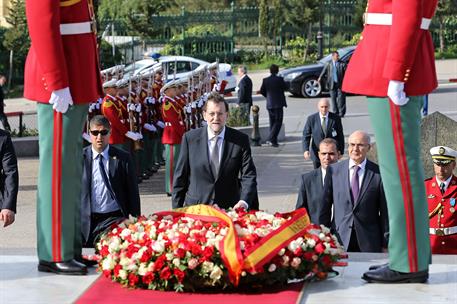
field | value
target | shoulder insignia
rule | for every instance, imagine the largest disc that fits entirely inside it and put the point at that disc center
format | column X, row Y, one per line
column 108, row 103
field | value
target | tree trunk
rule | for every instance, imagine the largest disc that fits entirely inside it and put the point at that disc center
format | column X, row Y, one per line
column 10, row 73
column 441, row 35
column 307, row 42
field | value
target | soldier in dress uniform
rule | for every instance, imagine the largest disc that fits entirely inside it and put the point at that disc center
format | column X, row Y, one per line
column 441, row 197
column 158, row 121
column 172, row 113
column 394, row 65
column 62, row 74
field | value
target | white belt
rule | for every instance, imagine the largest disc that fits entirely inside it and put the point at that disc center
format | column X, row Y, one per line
column 443, row 231
column 169, row 124
column 76, row 28
column 386, row 19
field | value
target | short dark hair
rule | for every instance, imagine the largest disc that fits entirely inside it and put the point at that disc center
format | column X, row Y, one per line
column 335, row 53
column 329, row 141
column 216, row 98
column 100, row 120
column 274, row 69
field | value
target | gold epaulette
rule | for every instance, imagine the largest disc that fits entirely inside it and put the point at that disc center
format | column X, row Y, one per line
column 435, row 211
column 64, row 3
column 108, row 103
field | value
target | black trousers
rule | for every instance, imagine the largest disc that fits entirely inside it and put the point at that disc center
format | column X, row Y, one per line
column 99, row 222
column 4, row 121
column 276, row 117
column 338, row 100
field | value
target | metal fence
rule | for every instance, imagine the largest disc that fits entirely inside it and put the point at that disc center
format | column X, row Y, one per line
column 23, row 123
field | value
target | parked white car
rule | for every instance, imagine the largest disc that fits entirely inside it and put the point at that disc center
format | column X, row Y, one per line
column 184, row 65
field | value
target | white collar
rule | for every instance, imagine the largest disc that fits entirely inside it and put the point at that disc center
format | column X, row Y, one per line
column 446, row 182
column 104, row 153
column 361, row 165
column 320, row 115
column 211, row 133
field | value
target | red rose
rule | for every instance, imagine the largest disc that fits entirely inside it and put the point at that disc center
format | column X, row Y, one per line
column 180, row 253
column 207, row 253
column 320, row 248
column 165, row 273
column 104, row 251
column 133, row 279
column 158, row 264
column 179, row 275
column 148, row 278
column 326, row 260
column 145, row 257
column 308, row 256
column 107, row 273
column 116, row 269
column 196, row 249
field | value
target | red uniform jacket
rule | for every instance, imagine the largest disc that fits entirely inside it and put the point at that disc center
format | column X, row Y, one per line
column 114, row 111
column 446, row 244
column 402, row 51
column 58, row 61
column 174, row 126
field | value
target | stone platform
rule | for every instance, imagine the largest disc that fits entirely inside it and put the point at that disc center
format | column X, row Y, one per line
column 20, row 282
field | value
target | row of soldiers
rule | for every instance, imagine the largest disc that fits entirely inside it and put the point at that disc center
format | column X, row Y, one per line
column 149, row 115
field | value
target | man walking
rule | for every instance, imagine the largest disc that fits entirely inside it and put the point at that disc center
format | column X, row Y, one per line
column 244, row 94
column 323, row 124
column 9, row 180
column 273, row 88
column 334, row 71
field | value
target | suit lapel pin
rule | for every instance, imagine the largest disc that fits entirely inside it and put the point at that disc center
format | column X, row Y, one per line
column 431, row 196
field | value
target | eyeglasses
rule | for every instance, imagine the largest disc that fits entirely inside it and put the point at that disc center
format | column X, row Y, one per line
column 101, row 132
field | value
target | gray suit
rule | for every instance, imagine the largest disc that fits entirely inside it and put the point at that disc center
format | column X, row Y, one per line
column 311, row 194
column 367, row 216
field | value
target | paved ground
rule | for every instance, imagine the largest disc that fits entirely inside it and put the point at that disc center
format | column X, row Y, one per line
column 279, row 170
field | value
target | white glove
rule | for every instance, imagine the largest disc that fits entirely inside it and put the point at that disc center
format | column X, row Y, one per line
column 194, row 104
column 396, row 92
column 138, row 108
column 87, row 137
column 160, row 124
column 188, row 109
column 139, row 135
column 150, row 127
column 131, row 106
column 61, row 100
column 201, row 102
column 131, row 135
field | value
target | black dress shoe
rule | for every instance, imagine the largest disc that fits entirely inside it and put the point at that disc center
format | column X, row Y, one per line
column 70, row 267
column 373, row 267
column 386, row 275
column 86, row 262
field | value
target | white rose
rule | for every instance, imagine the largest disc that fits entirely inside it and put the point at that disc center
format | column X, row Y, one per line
column 125, row 233
column 271, row 268
column 282, row 251
column 132, row 267
column 311, row 243
column 285, row 260
column 108, row 263
column 122, row 274
column 207, row 266
column 295, row 262
column 151, row 266
column 216, row 274
column 176, row 262
column 158, row 247
column 142, row 269
column 210, row 235
column 292, row 246
column 114, row 245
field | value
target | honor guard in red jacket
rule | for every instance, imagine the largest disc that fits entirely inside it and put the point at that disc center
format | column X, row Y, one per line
column 394, row 65
column 62, row 74
column 441, row 196
column 172, row 134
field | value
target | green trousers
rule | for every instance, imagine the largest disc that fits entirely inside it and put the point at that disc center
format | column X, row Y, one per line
column 171, row 158
column 397, row 133
column 59, row 182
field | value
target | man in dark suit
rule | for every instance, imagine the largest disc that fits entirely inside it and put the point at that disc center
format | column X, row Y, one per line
column 9, row 180
column 311, row 191
column 359, row 204
column 273, row 88
column 215, row 165
column 109, row 188
column 334, row 70
column 3, row 118
column 320, row 125
column 244, row 93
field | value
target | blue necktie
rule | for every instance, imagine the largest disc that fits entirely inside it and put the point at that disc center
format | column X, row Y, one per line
column 335, row 76
column 105, row 177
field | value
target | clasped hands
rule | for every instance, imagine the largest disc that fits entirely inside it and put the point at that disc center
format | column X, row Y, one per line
column 61, row 100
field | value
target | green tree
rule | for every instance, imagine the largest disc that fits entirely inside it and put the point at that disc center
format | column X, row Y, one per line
column 446, row 9
column 263, row 24
column 301, row 14
column 359, row 10
column 16, row 39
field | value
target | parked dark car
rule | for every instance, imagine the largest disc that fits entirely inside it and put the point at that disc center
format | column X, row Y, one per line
column 302, row 80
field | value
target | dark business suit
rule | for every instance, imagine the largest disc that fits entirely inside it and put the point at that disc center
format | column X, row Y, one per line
column 335, row 85
column 273, row 88
column 313, row 130
column 245, row 97
column 311, row 194
column 122, row 177
column 367, row 216
column 3, row 118
column 194, row 182
column 9, row 174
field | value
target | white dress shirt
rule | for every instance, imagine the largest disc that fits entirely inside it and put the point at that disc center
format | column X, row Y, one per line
column 101, row 201
column 361, row 172
column 446, row 182
column 219, row 142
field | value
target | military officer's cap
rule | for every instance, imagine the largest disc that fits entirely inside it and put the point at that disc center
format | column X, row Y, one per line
column 124, row 82
column 213, row 65
column 110, row 84
column 168, row 85
column 442, row 155
column 181, row 81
